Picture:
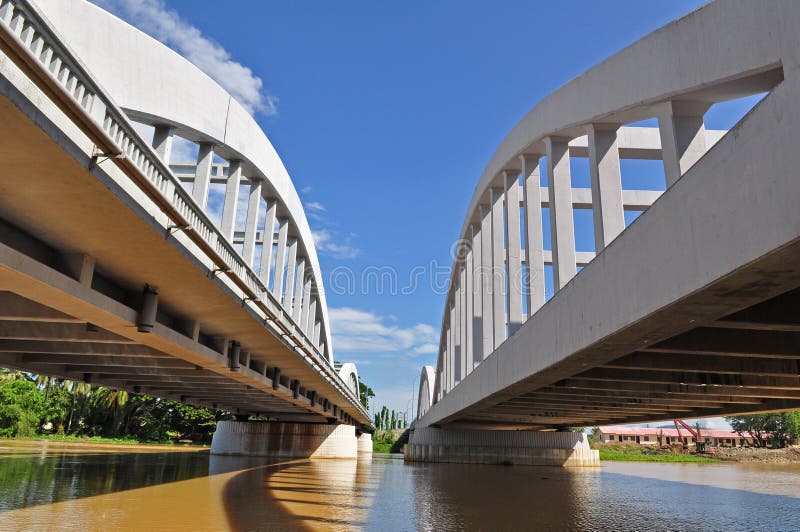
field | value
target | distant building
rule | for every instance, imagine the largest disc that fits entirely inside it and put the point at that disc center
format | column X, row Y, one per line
column 668, row 436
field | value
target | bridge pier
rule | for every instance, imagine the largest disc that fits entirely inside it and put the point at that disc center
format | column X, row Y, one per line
column 501, row 447
column 285, row 440
column 365, row 443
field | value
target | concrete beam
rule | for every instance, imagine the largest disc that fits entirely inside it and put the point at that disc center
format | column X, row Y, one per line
column 732, row 342
column 721, row 364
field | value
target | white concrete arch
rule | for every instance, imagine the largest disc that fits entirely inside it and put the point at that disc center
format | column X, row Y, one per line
column 426, row 387
column 349, row 374
column 156, row 86
column 498, row 275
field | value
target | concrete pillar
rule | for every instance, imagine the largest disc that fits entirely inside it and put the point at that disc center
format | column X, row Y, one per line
column 487, row 279
column 202, row 174
column 476, row 289
column 534, row 245
column 513, row 251
column 231, row 199
column 312, row 315
column 251, row 226
column 280, row 259
column 291, row 264
column 457, row 326
column 306, row 304
column 317, row 330
column 469, row 313
column 498, row 267
column 462, row 318
column 149, row 310
column 284, row 440
column 683, row 136
column 297, row 301
column 365, row 443
column 268, row 238
column 562, row 226
column 452, row 347
column 607, row 211
column 163, row 135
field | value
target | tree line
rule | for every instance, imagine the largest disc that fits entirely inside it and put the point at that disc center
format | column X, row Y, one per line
column 777, row 429
column 32, row 405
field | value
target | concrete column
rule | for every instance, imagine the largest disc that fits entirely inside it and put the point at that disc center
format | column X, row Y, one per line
column 252, row 220
column 317, row 330
column 457, row 326
column 202, row 174
column 607, row 211
column 683, row 136
column 280, row 259
column 268, row 237
column 162, row 142
column 487, row 325
column 498, row 267
column 291, row 264
column 297, row 302
column 463, row 318
column 231, row 199
column 452, row 348
column 476, row 289
column 469, row 313
column 306, row 304
column 562, row 226
column 513, row 251
column 534, row 245
column 312, row 315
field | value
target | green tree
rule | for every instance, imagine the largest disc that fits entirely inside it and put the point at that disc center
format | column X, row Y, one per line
column 365, row 393
column 21, row 407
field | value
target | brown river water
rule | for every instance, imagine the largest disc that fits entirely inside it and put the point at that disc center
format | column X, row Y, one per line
column 48, row 486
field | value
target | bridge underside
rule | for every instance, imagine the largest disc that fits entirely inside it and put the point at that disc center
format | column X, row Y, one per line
column 744, row 362
column 79, row 241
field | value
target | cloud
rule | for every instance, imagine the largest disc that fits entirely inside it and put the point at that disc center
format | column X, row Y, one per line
column 306, row 189
column 156, row 19
column 327, row 242
column 315, row 206
column 358, row 331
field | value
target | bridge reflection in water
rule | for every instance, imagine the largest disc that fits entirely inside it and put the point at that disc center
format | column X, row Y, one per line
column 89, row 488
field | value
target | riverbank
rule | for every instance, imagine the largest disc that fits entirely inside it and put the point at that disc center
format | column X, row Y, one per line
column 636, row 453
column 99, row 443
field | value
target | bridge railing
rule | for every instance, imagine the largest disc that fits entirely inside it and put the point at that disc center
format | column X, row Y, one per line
column 498, row 275
column 41, row 54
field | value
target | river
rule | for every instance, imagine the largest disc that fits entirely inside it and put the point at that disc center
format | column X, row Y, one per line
column 48, row 486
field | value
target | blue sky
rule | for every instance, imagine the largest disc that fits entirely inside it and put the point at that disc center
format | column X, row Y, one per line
column 385, row 115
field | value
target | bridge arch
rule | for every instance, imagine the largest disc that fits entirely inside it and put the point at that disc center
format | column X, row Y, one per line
column 156, row 86
column 349, row 374
column 498, row 276
column 426, row 384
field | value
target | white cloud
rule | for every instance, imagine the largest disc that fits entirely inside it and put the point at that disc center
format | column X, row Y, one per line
column 360, row 331
column 327, row 242
column 306, row 189
column 156, row 19
column 315, row 206
column 426, row 349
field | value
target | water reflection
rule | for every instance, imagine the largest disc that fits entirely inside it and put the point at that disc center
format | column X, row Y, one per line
column 67, row 489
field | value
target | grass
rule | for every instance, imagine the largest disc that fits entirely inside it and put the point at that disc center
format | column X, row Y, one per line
column 93, row 439
column 379, row 446
column 620, row 453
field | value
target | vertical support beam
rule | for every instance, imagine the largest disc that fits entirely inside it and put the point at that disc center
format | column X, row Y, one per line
column 202, row 174
column 231, row 199
column 291, row 264
column 487, row 279
column 317, row 330
column 283, row 233
column 683, row 136
column 534, row 244
column 268, row 238
column 476, row 289
column 498, row 267
column 163, row 135
column 306, row 304
column 457, row 328
column 312, row 315
column 149, row 309
column 452, row 348
column 80, row 267
column 462, row 322
column 276, row 378
column 562, row 226
column 297, row 302
column 607, row 210
column 513, row 251
column 252, row 220
column 469, row 313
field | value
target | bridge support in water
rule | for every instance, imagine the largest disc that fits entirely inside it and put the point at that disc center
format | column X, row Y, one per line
column 501, row 447
column 285, row 440
column 365, row 443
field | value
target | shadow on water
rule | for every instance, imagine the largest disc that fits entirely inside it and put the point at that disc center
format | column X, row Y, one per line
column 32, row 473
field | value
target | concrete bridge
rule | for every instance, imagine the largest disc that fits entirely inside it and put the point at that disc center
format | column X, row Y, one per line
column 690, row 311
column 114, row 267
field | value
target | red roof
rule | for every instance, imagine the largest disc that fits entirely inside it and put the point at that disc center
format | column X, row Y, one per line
column 654, row 431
